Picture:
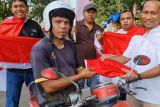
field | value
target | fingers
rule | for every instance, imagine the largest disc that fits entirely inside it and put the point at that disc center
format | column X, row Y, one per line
column 126, row 71
column 104, row 57
column 91, row 69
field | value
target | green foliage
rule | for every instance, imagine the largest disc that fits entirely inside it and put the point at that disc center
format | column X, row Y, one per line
column 5, row 9
column 37, row 7
column 106, row 8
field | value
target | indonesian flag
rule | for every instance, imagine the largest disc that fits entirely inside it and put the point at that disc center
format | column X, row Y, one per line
column 116, row 44
column 16, row 49
column 11, row 26
column 108, row 68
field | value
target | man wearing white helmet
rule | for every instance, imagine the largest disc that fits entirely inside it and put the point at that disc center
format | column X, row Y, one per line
column 55, row 51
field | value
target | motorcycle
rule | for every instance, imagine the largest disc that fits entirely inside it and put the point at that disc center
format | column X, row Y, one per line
column 102, row 95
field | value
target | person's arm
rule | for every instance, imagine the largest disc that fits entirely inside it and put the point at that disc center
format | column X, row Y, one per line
column 154, row 72
column 151, row 73
column 62, row 83
column 120, row 59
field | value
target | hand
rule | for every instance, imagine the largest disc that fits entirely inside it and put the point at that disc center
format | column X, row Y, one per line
column 99, row 37
column 87, row 73
column 106, row 56
column 130, row 76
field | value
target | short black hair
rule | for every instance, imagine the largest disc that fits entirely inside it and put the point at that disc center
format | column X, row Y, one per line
column 127, row 10
column 24, row 1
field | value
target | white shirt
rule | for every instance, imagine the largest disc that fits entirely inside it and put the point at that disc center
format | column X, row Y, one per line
column 148, row 45
column 121, row 31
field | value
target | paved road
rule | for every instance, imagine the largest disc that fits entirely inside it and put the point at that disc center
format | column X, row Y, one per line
column 23, row 99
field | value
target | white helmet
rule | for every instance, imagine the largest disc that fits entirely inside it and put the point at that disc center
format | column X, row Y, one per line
column 57, row 8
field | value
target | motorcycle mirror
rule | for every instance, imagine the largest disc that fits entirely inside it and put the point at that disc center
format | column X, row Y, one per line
column 50, row 73
column 142, row 60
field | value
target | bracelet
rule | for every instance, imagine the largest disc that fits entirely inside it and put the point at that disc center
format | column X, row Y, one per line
column 139, row 76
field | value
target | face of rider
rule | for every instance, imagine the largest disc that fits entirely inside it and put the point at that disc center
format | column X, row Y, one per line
column 60, row 27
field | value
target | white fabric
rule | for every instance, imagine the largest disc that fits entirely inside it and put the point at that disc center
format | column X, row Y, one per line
column 15, row 65
column 148, row 45
column 3, row 80
column 121, row 31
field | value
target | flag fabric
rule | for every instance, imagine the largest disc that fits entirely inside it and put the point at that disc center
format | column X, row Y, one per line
column 11, row 26
column 136, row 30
column 116, row 43
column 107, row 68
column 16, row 49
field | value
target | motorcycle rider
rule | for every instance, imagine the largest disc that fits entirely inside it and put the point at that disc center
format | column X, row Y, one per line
column 55, row 51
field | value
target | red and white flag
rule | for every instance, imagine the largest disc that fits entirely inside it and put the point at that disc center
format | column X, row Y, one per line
column 116, row 44
column 107, row 68
column 16, row 49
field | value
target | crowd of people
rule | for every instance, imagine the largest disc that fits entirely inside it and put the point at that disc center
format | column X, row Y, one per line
column 65, row 58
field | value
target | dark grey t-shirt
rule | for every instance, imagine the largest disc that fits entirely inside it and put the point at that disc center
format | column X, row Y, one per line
column 66, row 59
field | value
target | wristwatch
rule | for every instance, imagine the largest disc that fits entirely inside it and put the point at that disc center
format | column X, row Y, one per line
column 139, row 76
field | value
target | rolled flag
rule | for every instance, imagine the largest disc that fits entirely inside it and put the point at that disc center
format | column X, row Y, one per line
column 107, row 68
column 97, row 44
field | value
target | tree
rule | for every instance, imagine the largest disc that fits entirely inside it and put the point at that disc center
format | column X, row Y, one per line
column 108, row 7
column 37, row 7
column 5, row 9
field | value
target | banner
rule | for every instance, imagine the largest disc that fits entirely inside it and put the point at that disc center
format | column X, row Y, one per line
column 16, row 49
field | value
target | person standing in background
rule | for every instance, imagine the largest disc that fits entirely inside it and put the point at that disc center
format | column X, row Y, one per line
column 85, row 31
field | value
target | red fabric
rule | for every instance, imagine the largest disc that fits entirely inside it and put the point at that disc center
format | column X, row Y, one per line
column 108, row 68
column 16, row 49
column 11, row 27
column 136, row 30
column 115, row 43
